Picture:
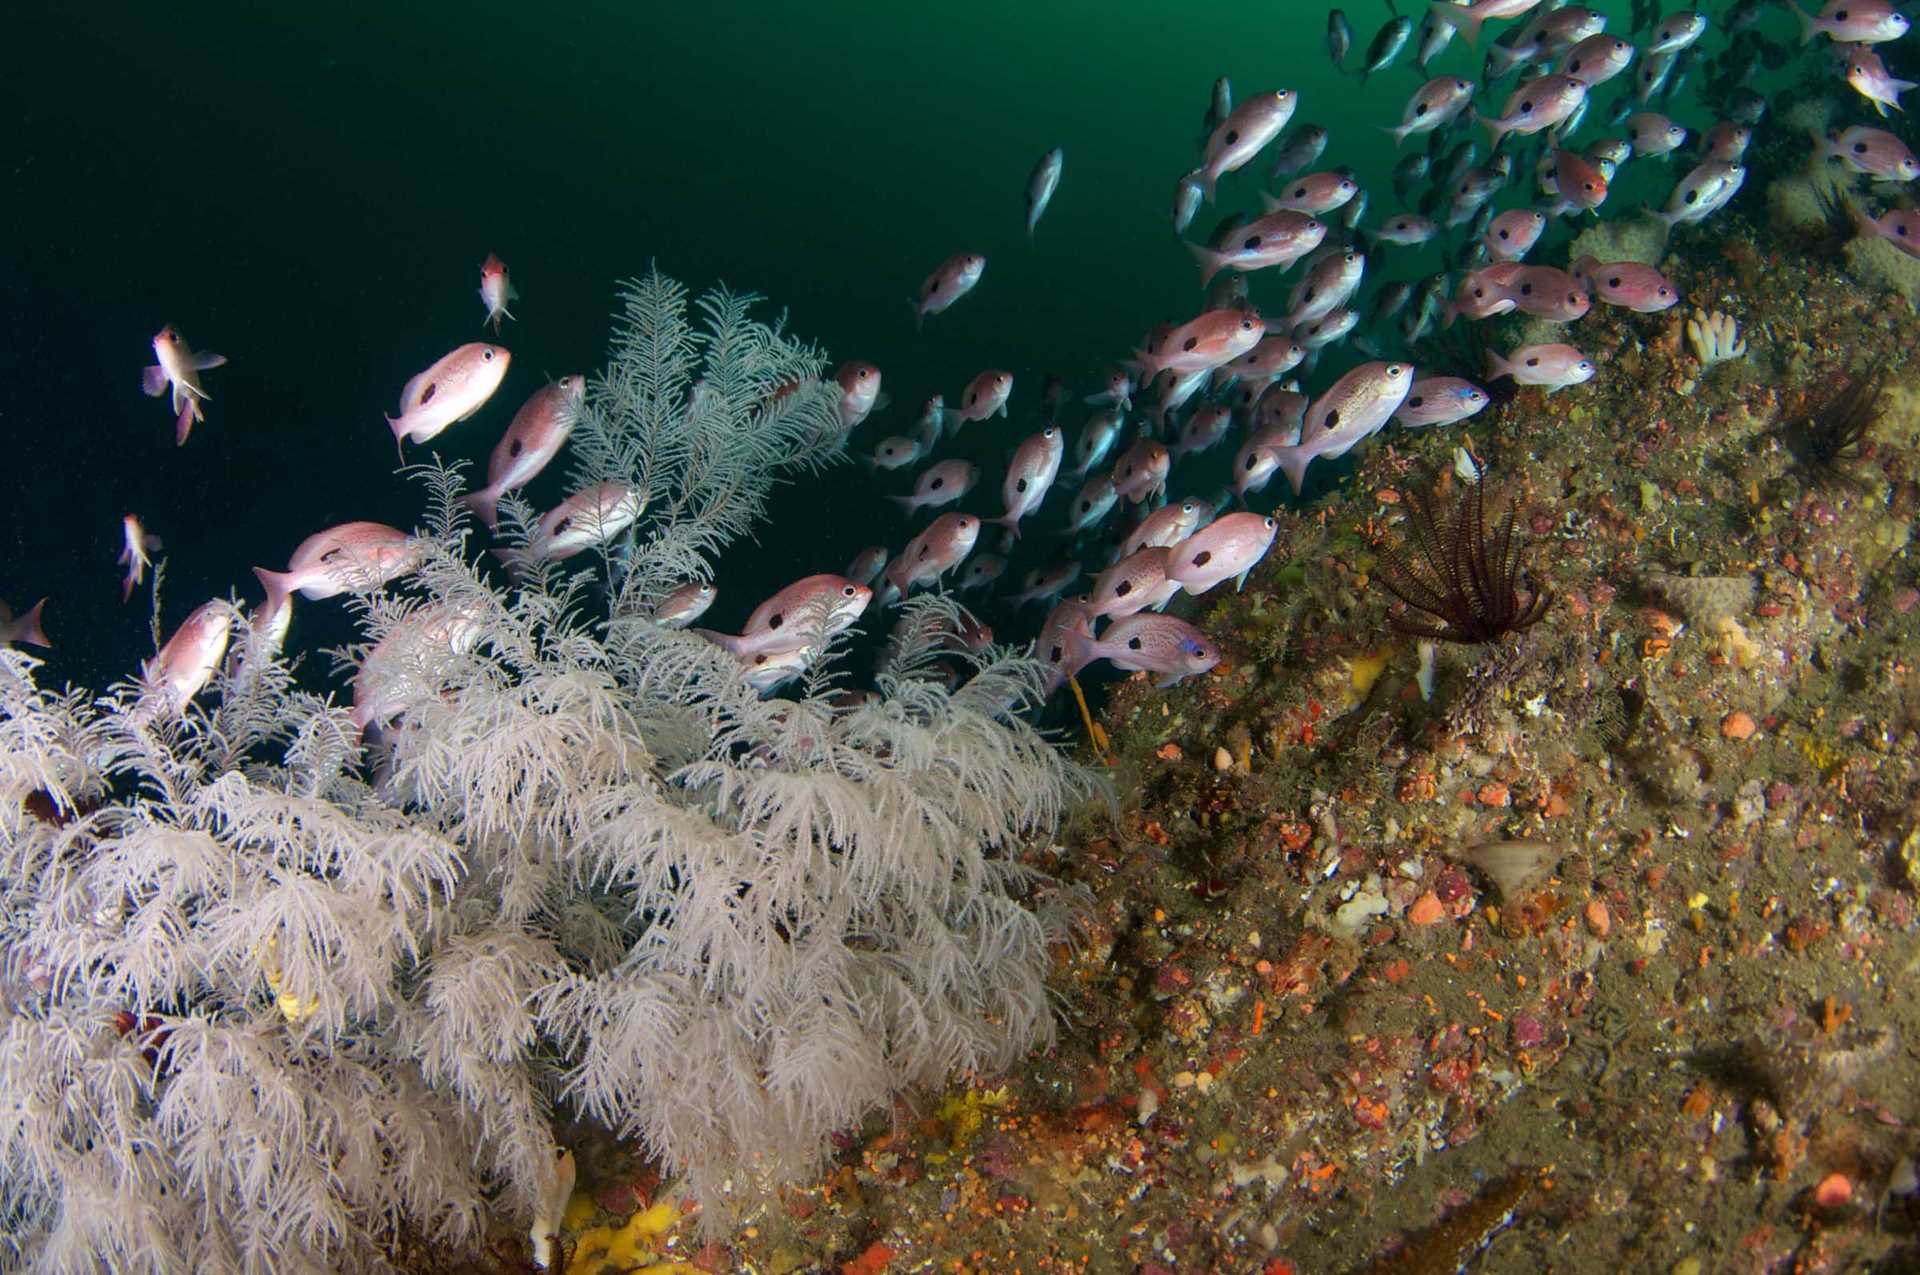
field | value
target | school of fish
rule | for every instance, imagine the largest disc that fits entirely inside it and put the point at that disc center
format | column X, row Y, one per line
column 1499, row 171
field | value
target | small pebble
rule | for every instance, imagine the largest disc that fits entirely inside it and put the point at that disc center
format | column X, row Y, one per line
column 1737, row 725
column 1222, row 759
column 1834, row 1190
column 1599, row 920
column 1426, row 909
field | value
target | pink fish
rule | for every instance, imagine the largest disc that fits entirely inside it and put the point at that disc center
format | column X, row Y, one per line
column 1330, row 284
column 1353, row 408
column 354, row 557
column 450, row 391
column 1215, row 337
column 1581, row 186
column 894, row 452
column 1135, row 583
column 1899, row 227
column 1096, row 439
column 1440, row 400
column 1870, row 79
column 1258, row 460
column 1727, row 142
column 1552, row 366
column 1228, row 548
column 1160, row 644
column 179, row 368
column 986, row 395
column 1036, row 463
column 1677, row 32
column 1547, row 292
column 1548, row 35
column 1873, row 151
column 1512, row 234
column 1313, row 194
column 1467, row 19
column 184, row 666
column 1327, row 329
column 1485, row 292
column 1538, row 105
column 591, row 516
column 538, row 431
column 1259, row 367
column 954, row 278
column 1240, row 136
column 804, row 614
column 945, row 543
column 1433, row 104
column 133, row 556
column 1045, row 582
column 1091, row 503
column 1278, row 239
column 1854, row 22
column 1165, row 527
column 981, row 570
column 1702, row 192
column 1597, row 59
column 1120, row 385
column 1407, row 229
column 1175, row 389
column 1628, row 284
column 1653, row 134
column 1141, row 470
column 495, row 291
column 867, row 564
column 1070, row 618
column 26, row 627
column 689, row 602
column 859, row 392
column 1203, row 429
column 400, row 669
column 940, row 484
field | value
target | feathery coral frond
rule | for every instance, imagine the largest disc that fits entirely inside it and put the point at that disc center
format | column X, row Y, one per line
column 1469, row 580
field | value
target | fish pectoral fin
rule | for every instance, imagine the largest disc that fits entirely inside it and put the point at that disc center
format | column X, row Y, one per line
column 153, row 380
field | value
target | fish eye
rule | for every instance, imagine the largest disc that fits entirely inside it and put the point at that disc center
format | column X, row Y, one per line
column 847, row 592
column 486, row 355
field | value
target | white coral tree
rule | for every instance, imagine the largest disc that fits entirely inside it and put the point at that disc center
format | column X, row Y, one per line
column 270, row 1003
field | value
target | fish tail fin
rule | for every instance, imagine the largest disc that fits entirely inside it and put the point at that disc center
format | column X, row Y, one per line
column 1293, row 462
column 1467, row 24
column 919, row 315
column 183, row 423
column 485, row 504
column 1807, row 20
column 728, row 642
column 278, row 587
column 907, row 503
column 28, row 627
column 206, row 359
column 1497, row 365
column 1210, row 262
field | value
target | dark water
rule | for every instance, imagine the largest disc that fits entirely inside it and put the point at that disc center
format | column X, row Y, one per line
column 311, row 193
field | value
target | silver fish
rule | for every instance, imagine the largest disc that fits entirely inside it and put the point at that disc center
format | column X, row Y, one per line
column 1041, row 185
